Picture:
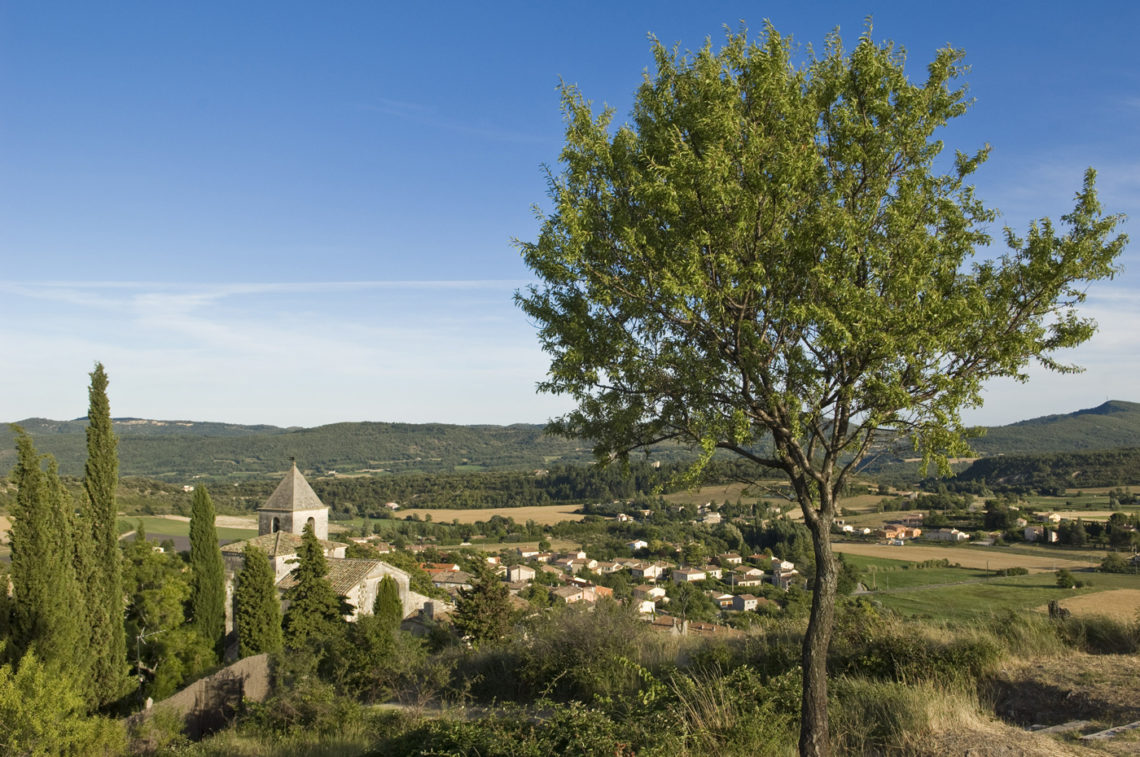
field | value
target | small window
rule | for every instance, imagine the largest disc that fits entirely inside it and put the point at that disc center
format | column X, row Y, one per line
column 312, row 524
column 276, row 525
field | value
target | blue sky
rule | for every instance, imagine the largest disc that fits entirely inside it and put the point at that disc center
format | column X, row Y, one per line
column 301, row 213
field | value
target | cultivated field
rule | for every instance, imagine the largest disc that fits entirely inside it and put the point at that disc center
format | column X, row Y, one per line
column 1120, row 604
column 967, row 557
column 546, row 515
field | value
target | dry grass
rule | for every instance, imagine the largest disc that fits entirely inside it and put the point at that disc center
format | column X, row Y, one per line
column 1118, row 604
column 967, row 557
column 5, row 527
column 546, row 515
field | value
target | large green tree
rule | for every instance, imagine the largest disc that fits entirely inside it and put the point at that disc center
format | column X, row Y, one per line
column 772, row 259
column 105, row 606
column 207, row 606
column 167, row 650
column 315, row 610
column 483, row 612
column 47, row 602
column 257, row 612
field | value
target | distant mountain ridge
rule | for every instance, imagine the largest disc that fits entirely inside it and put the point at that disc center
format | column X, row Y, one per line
column 181, row 450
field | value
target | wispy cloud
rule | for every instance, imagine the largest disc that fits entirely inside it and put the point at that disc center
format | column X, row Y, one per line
column 285, row 353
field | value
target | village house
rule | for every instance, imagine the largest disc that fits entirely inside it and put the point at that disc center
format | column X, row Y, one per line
column 637, row 544
column 520, row 573
column 729, row 558
column 1040, row 533
column 713, row 571
column 688, row 575
column 648, row 571
column 647, row 591
column 744, row 602
column 947, row 534
column 747, row 576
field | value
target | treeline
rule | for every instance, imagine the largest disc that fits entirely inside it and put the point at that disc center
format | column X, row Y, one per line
column 561, row 484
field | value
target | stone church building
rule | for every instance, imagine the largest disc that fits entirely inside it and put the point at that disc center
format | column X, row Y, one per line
column 280, row 522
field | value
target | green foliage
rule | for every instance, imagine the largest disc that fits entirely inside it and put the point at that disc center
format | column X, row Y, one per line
column 47, row 603
column 575, row 652
column 167, row 653
column 483, row 612
column 315, row 610
column 42, row 714
column 387, row 608
column 207, row 605
column 1058, row 470
column 257, row 612
column 105, row 610
column 303, row 701
column 768, row 252
column 1114, row 562
column 1065, row 579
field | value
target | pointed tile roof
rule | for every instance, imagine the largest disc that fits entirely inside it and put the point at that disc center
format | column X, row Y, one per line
column 293, row 493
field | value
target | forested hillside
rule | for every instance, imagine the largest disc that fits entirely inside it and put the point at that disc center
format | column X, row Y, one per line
column 1113, row 467
column 179, row 450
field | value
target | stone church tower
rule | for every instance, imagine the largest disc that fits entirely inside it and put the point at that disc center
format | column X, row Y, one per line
column 291, row 506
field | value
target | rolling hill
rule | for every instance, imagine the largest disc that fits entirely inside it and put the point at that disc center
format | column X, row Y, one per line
column 180, row 450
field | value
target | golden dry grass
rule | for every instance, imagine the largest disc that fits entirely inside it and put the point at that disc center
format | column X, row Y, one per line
column 967, row 557
column 1118, row 604
column 545, row 515
column 5, row 527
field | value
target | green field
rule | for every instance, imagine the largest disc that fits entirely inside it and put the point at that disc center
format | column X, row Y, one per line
column 966, row 601
column 158, row 528
column 897, row 574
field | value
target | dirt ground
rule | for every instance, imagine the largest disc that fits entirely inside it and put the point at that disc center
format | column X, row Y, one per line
column 1120, row 604
column 967, row 557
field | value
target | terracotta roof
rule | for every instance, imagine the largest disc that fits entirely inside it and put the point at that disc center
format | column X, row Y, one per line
column 293, row 493
column 278, row 544
column 344, row 575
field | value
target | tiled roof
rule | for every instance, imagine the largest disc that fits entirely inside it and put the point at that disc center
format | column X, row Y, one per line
column 344, row 575
column 293, row 493
column 277, row 544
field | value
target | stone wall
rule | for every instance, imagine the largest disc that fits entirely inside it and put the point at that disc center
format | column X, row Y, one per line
column 210, row 703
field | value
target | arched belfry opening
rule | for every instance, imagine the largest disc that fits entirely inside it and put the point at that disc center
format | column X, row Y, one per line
column 276, row 525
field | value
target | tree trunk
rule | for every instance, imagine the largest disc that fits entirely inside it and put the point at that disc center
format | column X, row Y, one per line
column 814, row 735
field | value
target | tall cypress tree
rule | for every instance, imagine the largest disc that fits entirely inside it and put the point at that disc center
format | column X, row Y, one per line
column 387, row 606
column 315, row 609
column 257, row 613
column 46, row 593
column 105, row 592
column 207, row 572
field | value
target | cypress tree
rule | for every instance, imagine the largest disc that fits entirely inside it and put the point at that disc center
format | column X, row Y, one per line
column 46, row 593
column 315, row 609
column 207, row 572
column 106, row 610
column 388, row 607
column 258, row 613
